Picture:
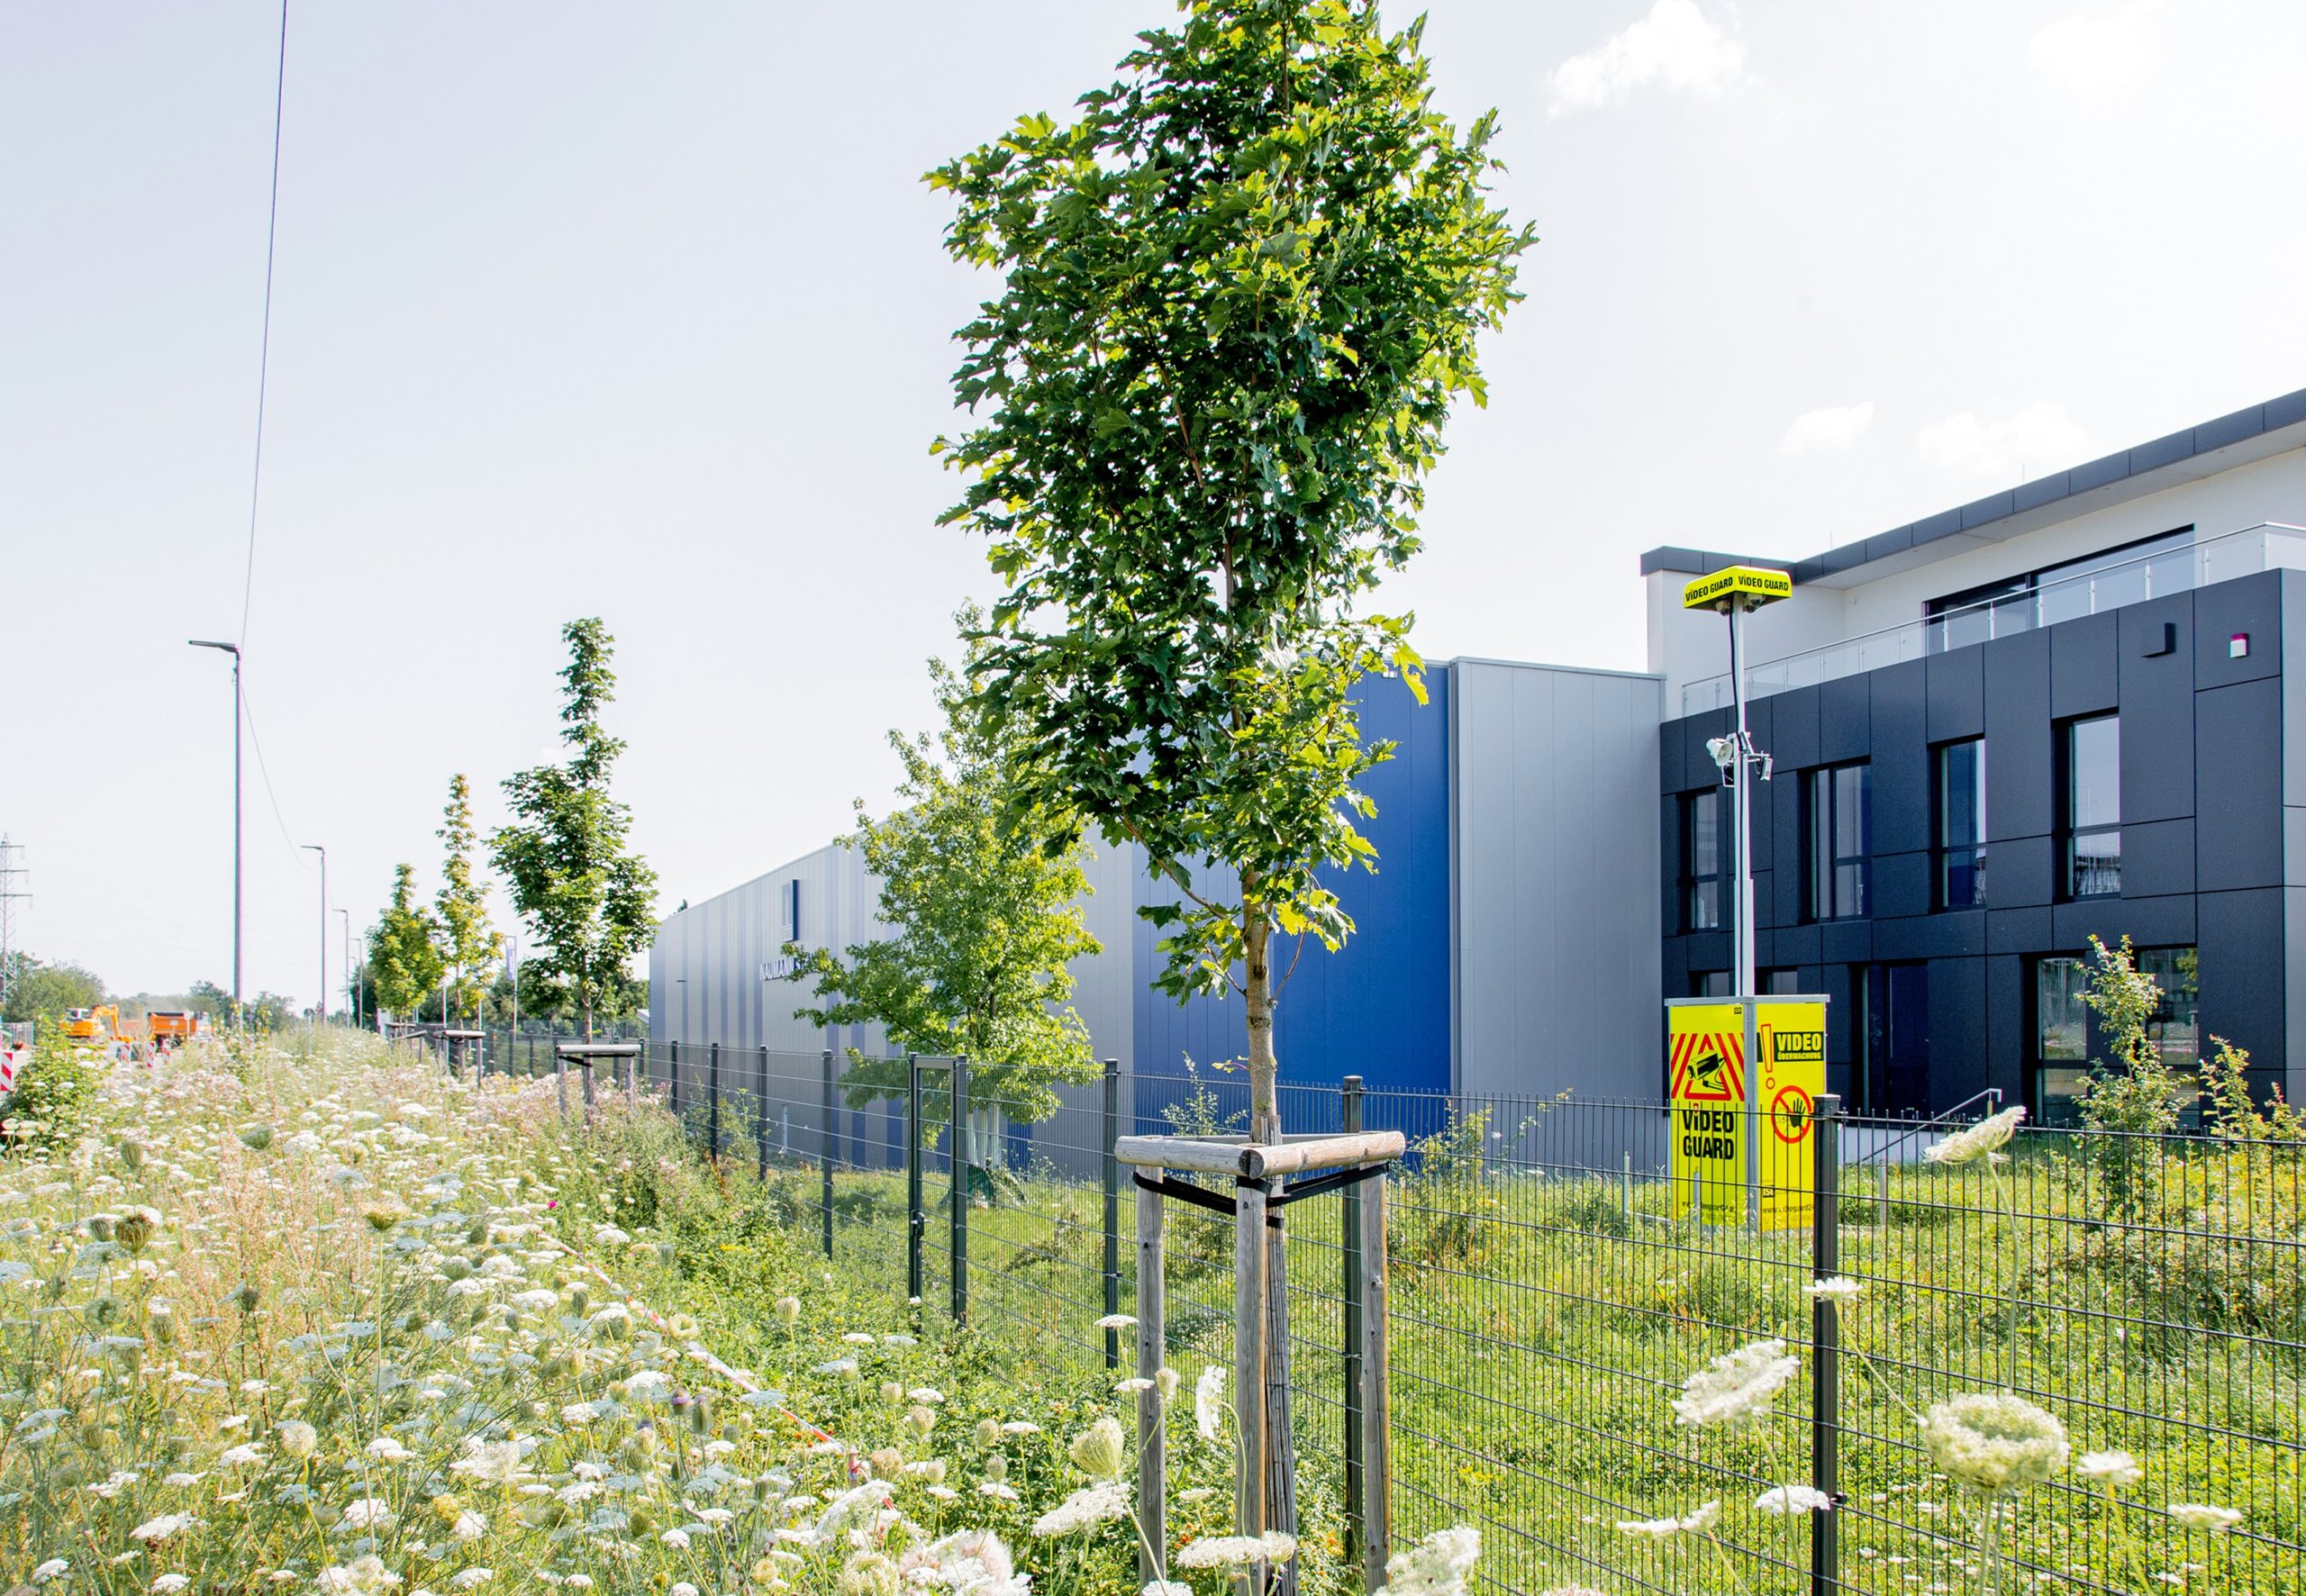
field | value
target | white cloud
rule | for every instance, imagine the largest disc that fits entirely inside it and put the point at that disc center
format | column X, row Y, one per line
column 2041, row 437
column 2093, row 53
column 1676, row 47
column 1829, row 427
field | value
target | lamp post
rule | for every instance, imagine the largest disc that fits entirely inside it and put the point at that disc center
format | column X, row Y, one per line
column 314, row 847
column 350, row 1012
column 234, row 650
column 1734, row 591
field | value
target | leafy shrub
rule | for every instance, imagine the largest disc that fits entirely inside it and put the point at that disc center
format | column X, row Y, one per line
column 55, row 1092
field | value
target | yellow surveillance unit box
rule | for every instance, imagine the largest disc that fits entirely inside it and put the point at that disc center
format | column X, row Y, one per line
column 1754, row 583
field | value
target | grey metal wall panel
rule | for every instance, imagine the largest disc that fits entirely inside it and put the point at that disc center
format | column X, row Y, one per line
column 1557, row 933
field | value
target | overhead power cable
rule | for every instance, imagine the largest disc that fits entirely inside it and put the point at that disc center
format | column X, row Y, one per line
column 264, row 356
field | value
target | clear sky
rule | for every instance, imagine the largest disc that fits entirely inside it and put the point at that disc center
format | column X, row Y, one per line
column 640, row 311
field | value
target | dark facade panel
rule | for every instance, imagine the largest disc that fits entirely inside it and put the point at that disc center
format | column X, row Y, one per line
column 2150, row 922
column 1958, row 1067
column 1900, row 740
column 1832, row 980
column 1901, row 886
column 2083, row 677
column 1847, row 941
column 2020, row 931
column 1674, row 968
column 2156, row 669
column 2238, row 745
column 1929, row 935
column 1793, row 727
column 2158, row 858
column 2243, row 977
column 2019, row 768
column 1956, row 693
column 1845, row 719
column 2021, row 872
column 1697, row 768
column 1671, row 778
column 1783, row 907
column 1670, row 842
column 2007, row 1046
column 1798, row 944
column 2251, row 607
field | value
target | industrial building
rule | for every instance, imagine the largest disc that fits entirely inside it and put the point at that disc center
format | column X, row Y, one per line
column 2062, row 710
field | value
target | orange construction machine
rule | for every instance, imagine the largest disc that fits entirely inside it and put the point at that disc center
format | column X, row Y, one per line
column 175, row 1027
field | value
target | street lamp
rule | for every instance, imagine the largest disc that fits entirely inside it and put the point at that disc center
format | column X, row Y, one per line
column 234, row 650
column 350, row 1012
column 314, row 847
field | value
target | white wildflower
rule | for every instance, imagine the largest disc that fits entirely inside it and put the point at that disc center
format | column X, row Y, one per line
column 2111, row 1468
column 1992, row 1441
column 1236, row 1551
column 1093, row 1504
column 387, row 1449
column 55, row 1568
column 154, row 1532
column 466, row 1578
column 1737, row 1386
column 366, row 1513
column 1436, row 1566
column 1209, row 1400
column 1700, row 1518
column 1794, row 1498
column 170, row 1583
column 1837, row 1289
column 1988, row 1135
column 2196, row 1515
column 1118, row 1322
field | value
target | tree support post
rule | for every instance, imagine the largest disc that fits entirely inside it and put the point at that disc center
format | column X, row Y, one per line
column 824, row 1149
column 1152, row 1337
column 1249, row 1323
column 1350, row 1231
column 1376, row 1416
column 1112, row 1176
column 561, row 1081
column 1825, row 1337
column 959, row 1262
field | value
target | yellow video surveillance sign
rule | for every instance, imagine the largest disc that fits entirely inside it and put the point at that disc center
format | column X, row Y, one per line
column 1756, row 583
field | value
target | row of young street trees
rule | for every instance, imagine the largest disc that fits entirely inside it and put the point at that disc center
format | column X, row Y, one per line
column 1239, row 292
column 588, row 902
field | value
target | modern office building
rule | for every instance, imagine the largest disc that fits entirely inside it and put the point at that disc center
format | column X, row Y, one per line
column 2064, row 710
column 1510, row 821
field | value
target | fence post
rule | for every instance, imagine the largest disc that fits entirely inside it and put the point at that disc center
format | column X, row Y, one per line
column 959, row 1264
column 1825, row 1335
column 761, row 1115
column 824, row 1149
column 916, row 1221
column 561, row 1081
column 1113, row 1207
column 712, row 1094
column 672, row 1079
column 1350, row 1231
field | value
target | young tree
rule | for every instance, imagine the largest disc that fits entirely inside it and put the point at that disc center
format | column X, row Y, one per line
column 404, row 950
column 1242, row 289
column 37, row 991
column 589, row 904
column 472, row 947
column 983, row 924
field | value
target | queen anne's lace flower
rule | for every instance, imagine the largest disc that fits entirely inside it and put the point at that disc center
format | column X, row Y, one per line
column 2197, row 1515
column 1989, row 1135
column 1436, row 1566
column 1093, row 1504
column 1702, row 1517
column 1101, row 1451
column 1237, row 1551
column 1995, row 1441
column 972, row 1562
column 1836, row 1288
column 1794, row 1498
column 1737, row 1386
column 2109, row 1468
column 1209, row 1400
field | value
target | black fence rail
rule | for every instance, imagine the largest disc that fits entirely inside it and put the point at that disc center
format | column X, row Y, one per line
column 1553, row 1287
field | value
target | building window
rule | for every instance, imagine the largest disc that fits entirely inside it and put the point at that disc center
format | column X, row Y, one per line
column 2066, row 1038
column 2093, row 807
column 1841, row 841
column 1705, row 853
column 1779, row 982
column 1961, row 824
column 1710, row 983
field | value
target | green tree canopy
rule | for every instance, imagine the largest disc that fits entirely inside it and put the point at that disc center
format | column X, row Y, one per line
column 1242, row 288
column 404, row 950
column 470, row 945
column 982, row 923
column 589, row 902
column 40, row 991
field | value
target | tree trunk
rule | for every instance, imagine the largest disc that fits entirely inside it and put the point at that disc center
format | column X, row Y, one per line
column 1265, row 1127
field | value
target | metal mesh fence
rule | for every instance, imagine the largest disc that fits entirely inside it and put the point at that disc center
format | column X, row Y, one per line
column 1552, row 1289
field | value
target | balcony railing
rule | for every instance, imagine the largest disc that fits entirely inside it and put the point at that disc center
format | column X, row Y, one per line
column 2268, row 546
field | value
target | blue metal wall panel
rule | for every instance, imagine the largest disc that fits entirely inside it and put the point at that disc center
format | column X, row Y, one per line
column 1380, row 1006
